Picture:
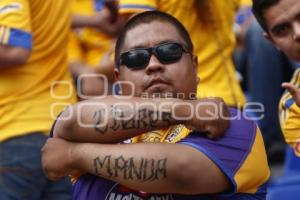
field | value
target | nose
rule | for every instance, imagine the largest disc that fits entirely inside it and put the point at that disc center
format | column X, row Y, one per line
column 296, row 27
column 154, row 66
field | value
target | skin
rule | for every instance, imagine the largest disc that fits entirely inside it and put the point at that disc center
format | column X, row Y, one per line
column 105, row 20
column 173, row 74
column 107, row 160
column 283, row 23
column 13, row 56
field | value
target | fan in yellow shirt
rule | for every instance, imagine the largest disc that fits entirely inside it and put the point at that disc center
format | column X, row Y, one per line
column 35, row 85
column 280, row 21
column 90, row 46
column 289, row 109
column 210, row 24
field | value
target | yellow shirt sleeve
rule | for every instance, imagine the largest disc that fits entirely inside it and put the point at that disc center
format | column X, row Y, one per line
column 289, row 114
column 15, row 28
column 75, row 53
column 135, row 6
column 246, row 2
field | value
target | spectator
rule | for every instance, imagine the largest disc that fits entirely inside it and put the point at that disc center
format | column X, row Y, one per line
column 35, row 85
column 155, row 53
column 280, row 21
column 91, row 44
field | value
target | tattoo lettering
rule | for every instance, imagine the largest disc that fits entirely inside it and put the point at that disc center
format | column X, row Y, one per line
column 142, row 118
column 104, row 163
column 131, row 169
column 99, row 125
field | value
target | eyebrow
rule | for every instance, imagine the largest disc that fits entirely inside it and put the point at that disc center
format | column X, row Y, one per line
column 161, row 42
column 284, row 23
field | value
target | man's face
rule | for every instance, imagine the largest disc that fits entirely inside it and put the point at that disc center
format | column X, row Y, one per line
column 283, row 21
column 158, row 79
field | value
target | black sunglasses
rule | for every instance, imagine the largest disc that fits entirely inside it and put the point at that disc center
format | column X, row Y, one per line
column 166, row 53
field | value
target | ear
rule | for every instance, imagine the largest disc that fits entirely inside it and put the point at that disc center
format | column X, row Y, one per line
column 117, row 74
column 195, row 68
column 268, row 37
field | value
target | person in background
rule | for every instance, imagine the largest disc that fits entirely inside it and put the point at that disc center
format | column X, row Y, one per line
column 35, row 85
column 280, row 21
column 252, row 59
column 95, row 24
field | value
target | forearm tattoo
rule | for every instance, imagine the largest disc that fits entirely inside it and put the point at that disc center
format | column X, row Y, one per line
column 141, row 169
column 142, row 118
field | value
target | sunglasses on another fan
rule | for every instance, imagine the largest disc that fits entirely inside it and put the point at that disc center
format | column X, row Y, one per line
column 166, row 53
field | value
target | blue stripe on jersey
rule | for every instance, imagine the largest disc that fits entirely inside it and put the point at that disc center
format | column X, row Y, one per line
column 20, row 38
column 137, row 6
column 289, row 103
column 98, row 4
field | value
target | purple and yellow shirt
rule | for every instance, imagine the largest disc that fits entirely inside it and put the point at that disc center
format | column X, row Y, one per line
column 240, row 155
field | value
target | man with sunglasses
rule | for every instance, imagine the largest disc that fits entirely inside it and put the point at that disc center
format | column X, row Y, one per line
column 165, row 159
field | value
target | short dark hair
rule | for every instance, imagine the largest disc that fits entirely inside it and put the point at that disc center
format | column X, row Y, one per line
column 146, row 18
column 258, row 8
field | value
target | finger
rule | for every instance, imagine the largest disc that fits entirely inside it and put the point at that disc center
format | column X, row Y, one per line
column 290, row 87
column 297, row 147
column 293, row 90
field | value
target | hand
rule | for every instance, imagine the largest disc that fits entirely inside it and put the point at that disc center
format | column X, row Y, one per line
column 294, row 91
column 113, row 7
column 211, row 116
column 57, row 159
column 108, row 22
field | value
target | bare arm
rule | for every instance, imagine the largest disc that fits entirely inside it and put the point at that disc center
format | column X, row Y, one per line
column 154, row 168
column 13, row 56
column 100, row 20
column 112, row 120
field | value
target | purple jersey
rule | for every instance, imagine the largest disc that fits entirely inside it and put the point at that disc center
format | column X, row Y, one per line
column 237, row 155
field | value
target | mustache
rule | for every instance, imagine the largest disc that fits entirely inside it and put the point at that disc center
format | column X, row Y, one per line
column 156, row 79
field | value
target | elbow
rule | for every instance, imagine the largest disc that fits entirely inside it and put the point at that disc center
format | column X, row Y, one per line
column 18, row 55
column 182, row 174
column 23, row 57
column 14, row 56
column 189, row 178
column 63, row 126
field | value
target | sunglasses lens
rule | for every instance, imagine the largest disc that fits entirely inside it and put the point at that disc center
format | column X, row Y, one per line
column 139, row 58
column 169, row 53
column 134, row 59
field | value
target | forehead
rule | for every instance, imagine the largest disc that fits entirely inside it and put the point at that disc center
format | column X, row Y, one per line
column 282, row 12
column 150, row 34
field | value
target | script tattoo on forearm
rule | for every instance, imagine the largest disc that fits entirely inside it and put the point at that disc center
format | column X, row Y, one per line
column 141, row 169
column 142, row 118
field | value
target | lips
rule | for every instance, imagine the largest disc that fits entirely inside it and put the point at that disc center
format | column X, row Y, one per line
column 155, row 81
